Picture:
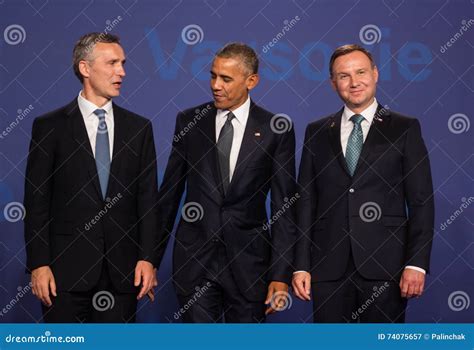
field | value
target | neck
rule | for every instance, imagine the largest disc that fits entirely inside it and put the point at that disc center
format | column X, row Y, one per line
column 99, row 101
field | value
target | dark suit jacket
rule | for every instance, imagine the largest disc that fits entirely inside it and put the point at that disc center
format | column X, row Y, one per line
column 265, row 162
column 68, row 225
column 392, row 181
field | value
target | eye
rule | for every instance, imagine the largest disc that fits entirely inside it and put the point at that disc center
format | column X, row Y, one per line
column 227, row 80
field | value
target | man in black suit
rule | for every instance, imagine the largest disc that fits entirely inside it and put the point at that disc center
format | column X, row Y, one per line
column 91, row 197
column 229, row 154
column 366, row 211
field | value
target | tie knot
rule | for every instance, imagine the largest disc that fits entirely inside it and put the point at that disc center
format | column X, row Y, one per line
column 230, row 116
column 357, row 119
column 100, row 113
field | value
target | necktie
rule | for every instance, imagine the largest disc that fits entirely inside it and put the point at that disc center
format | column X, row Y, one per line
column 102, row 151
column 224, row 145
column 354, row 143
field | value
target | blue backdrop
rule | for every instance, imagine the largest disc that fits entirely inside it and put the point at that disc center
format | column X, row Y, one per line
column 424, row 51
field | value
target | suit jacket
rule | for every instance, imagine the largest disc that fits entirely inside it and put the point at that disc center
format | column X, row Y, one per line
column 239, row 219
column 384, row 214
column 69, row 226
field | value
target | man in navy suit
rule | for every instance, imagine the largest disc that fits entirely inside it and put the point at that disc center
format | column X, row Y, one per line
column 229, row 154
column 91, row 197
column 365, row 216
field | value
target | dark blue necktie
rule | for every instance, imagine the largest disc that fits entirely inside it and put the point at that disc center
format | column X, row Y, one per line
column 354, row 143
column 102, row 152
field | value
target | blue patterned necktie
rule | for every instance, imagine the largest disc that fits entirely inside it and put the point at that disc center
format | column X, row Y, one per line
column 224, row 145
column 102, row 151
column 354, row 143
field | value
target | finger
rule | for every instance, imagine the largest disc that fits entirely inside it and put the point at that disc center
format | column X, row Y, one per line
column 138, row 277
column 269, row 296
column 269, row 311
column 52, row 285
column 45, row 294
column 410, row 291
column 151, row 295
column 404, row 289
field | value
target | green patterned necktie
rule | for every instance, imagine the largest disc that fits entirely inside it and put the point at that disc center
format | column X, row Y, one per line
column 354, row 143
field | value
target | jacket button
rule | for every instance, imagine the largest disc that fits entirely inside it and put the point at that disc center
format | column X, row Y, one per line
column 351, row 190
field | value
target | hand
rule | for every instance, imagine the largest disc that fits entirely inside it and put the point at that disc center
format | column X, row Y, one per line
column 302, row 285
column 412, row 283
column 42, row 281
column 144, row 275
column 151, row 292
column 277, row 297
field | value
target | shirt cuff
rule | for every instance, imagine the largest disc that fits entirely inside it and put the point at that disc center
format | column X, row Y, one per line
column 419, row 269
column 300, row 271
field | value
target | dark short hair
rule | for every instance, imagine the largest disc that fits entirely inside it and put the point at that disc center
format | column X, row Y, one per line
column 85, row 45
column 346, row 49
column 246, row 54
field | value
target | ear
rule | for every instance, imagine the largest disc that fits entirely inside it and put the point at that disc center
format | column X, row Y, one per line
column 252, row 81
column 376, row 74
column 84, row 68
column 333, row 83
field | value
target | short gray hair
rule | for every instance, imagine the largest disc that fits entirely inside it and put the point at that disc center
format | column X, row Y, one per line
column 85, row 45
column 246, row 54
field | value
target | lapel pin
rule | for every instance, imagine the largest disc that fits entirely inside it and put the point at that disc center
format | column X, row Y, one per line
column 377, row 118
column 257, row 134
column 333, row 124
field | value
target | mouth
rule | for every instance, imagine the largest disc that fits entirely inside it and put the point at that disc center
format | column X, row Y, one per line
column 218, row 97
column 117, row 84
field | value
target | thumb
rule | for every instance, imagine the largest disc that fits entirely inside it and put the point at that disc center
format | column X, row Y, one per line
column 307, row 286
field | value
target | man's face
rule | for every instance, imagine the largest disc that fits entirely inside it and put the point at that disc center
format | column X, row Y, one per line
column 355, row 80
column 104, row 72
column 230, row 82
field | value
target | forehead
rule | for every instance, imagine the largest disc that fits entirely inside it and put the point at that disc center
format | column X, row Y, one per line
column 108, row 50
column 356, row 59
column 227, row 66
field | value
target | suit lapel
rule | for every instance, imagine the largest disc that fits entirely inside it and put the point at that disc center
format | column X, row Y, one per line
column 81, row 138
column 208, row 130
column 249, row 142
column 335, row 139
column 375, row 137
column 120, row 130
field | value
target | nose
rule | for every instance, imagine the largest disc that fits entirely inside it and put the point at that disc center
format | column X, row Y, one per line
column 215, row 84
column 354, row 81
column 121, row 71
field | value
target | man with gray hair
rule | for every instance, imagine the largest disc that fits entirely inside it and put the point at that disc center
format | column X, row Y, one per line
column 90, row 195
column 229, row 154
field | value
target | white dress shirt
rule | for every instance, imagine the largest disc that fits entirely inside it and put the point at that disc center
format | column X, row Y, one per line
column 91, row 120
column 346, row 129
column 239, row 123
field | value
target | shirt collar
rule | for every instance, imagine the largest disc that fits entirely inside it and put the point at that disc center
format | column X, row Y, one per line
column 241, row 114
column 367, row 113
column 87, row 108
